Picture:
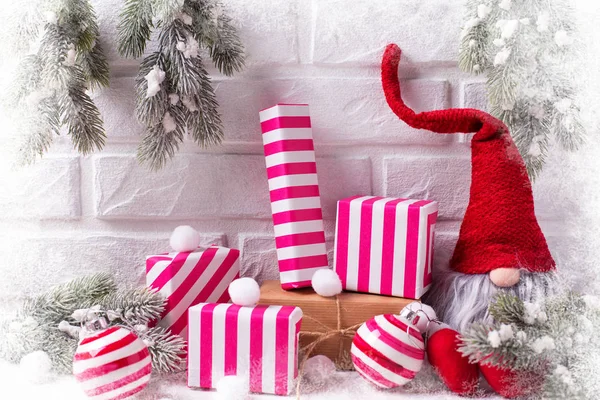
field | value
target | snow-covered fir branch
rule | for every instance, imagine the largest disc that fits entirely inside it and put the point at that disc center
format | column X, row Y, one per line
column 56, row 320
column 174, row 91
column 528, row 50
column 49, row 91
column 556, row 340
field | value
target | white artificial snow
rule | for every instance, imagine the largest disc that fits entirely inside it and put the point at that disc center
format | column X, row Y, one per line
column 169, row 124
column 542, row 344
column 502, row 56
column 506, row 332
column 36, row 367
column 189, row 103
column 155, row 77
column 534, row 150
column 189, row 48
column 174, row 99
column 326, row 282
column 476, row 67
column 499, row 42
column 591, row 302
column 471, row 23
column 525, row 21
column 543, row 22
column 537, row 111
column 563, row 105
column 472, row 43
column 521, row 335
column 244, row 292
column 532, row 312
column 483, row 11
column 494, row 339
column 509, row 28
column 184, row 237
column 185, row 18
column 232, row 388
column 505, row 4
column 51, row 17
column 562, row 38
column 71, row 55
column 73, row 331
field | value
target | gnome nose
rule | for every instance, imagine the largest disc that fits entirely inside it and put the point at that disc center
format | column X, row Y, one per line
column 505, row 277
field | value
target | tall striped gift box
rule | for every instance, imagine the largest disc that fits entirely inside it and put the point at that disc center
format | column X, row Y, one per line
column 189, row 278
column 259, row 343
column 294, row 191
column 385, row 245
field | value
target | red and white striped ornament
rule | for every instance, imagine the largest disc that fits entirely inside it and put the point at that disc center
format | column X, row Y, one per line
column 387, row 351
column 112, row 364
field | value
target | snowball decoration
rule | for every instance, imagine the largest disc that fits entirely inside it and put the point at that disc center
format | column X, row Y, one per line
column 326, row 282
column 112, row 363
column 420, row 315
column 185, row 238
column 36, row 367
column 155, row 77
column 387, row 351
column 232, row 387
column 318, row 369
column 169, row 124
column 244, row 292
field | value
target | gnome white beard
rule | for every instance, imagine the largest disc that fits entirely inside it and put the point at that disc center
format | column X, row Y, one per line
column 461, row 299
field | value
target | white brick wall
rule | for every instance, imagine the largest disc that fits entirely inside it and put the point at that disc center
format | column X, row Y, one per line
column 69, row 215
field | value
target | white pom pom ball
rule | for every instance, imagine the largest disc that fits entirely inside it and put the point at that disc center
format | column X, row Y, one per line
column 232, row 388
column 36, row 367
column 185, row 238
column 326, row 282
column 423, row 314
column 318, row 369
column 244, row 292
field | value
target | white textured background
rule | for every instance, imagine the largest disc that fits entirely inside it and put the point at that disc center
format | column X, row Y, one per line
column 70, row 215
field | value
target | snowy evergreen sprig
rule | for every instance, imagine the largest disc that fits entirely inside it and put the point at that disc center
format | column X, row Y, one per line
column 174, row 91
column 528, row 50
column 50, row 87
column 556, row 340
column 54, row 321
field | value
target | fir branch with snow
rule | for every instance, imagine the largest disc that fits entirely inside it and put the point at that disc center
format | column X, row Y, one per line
column 528, row 51
column 55, row 321
column 50, row 87
column 557, row 339
column 174, row 90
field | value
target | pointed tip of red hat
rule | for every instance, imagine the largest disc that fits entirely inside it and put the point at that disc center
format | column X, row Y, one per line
column 499, row 229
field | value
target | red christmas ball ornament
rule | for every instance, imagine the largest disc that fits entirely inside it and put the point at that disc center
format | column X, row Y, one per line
column 112, row 364
column 388, row 351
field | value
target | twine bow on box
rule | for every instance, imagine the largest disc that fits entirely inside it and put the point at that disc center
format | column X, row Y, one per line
column 320, row 337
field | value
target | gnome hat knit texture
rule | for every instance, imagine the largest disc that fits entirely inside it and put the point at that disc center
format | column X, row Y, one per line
column 499, row 229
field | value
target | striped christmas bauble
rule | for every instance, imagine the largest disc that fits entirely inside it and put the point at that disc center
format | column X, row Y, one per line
column 112, row 364
column 387, row 351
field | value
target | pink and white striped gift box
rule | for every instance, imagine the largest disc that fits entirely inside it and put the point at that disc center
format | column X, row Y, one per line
column 294, row 191
column 259, row 343
column 189, row 278
column 385, row 245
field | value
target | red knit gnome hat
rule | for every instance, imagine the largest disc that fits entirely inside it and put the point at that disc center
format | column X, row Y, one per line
column 499, row 229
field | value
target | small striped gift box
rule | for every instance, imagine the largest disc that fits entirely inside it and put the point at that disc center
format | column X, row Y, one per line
column 189, row 278
column 294, row 192
column 259, row 343
column 385, row 245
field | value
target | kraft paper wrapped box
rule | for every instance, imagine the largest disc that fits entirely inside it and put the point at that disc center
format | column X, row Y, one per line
column 188, row 278
column 259, row 342
column 294, row 193
column 385, row 245
column 321, row 317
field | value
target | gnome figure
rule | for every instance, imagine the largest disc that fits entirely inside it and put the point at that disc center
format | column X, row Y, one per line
column 500, row 246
